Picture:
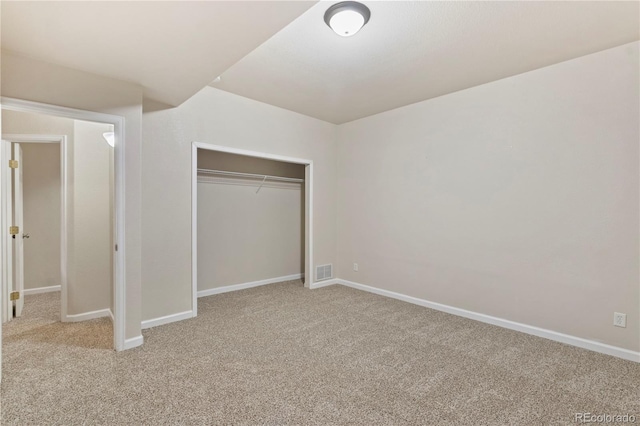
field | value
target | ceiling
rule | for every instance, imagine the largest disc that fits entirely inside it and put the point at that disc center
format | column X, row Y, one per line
column 412, row 51
column 171, row 48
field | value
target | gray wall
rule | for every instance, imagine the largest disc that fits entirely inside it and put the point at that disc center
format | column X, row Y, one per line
column 517, row 199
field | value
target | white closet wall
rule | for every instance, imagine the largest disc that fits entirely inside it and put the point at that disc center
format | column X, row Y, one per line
column 244, row 236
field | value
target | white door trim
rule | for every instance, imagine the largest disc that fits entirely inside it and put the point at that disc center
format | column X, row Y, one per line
column 62, row 140
column 6, row 245
column 308, row 181
column 18, row 220
column 118, row 122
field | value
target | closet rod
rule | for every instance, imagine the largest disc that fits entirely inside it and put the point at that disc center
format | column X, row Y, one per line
column 252, row 175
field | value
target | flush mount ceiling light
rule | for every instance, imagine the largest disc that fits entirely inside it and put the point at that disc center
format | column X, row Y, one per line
column 347, row 17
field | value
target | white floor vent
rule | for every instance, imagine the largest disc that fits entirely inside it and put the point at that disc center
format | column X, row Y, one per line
column 324, row 272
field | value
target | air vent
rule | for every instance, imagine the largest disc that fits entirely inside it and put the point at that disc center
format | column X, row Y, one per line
column 324, row 272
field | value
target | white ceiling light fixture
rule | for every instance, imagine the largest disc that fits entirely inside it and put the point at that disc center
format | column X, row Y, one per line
column 347, row 17
column 110, row 138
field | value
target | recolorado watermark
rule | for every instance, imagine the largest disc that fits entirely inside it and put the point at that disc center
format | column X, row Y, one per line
column 604, row 418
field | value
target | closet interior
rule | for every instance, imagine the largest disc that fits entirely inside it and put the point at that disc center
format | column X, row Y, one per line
column 250, row 220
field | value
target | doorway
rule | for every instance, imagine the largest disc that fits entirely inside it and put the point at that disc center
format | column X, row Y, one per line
column 39, row 206
column 115, row 229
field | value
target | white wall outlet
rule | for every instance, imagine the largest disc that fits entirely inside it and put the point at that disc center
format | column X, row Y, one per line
column 619, row 320
column 355, row 267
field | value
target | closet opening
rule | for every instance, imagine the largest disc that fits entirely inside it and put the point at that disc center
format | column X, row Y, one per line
column 251, row 219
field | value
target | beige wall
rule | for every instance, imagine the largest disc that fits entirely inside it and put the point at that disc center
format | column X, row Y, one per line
column 31, row 80
column 220, row 118
column 41, row 214
column 92, row 275
column 244, row 236
column 517, row 199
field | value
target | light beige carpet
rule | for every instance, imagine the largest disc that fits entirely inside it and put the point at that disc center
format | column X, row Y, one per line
column 281, row 354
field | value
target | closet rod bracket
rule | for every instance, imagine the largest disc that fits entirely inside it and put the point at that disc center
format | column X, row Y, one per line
column 262, row 183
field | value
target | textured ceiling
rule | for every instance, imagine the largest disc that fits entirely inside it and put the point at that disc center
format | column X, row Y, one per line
column 171, row 48
column 412, row 51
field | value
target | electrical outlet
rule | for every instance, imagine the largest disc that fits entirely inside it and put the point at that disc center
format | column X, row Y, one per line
column 355, row 267
column 619, row 320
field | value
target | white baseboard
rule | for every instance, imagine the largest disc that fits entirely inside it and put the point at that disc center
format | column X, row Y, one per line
column 111, row 315
column 88, row 315
column 524, row 328
column 28, row 291
column 166, row 319
column 235, row 287
column 133, row 342
column 324, row 283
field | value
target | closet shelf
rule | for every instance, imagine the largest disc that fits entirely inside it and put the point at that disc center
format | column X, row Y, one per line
column 250, row 175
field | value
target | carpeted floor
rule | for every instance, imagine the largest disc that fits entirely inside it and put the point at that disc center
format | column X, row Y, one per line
column 281, row 354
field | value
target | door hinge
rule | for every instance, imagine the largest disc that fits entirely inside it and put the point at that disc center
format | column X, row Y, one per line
column 14, row 230
column 13, row 164
column 14, row 295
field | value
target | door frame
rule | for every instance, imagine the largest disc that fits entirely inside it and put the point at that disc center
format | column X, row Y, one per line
column 6, row 243
column 118, row 122
column 18, row 220
column 308, row 209
column 62, row 140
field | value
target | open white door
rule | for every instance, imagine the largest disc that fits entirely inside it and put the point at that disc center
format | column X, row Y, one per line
column 18, row 239
column 6, row 245
column 4, row 238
